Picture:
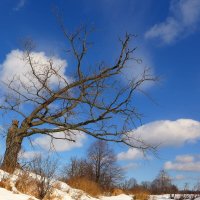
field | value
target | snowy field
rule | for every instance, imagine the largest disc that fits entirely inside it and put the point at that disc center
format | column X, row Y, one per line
column 65, row 192
column 8, row 195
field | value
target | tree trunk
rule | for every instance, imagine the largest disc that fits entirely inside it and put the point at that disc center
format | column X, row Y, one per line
column 13, row 146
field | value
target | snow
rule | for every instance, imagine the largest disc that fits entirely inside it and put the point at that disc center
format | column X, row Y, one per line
column 65, row 192
column 8, row 195
column 119, row 197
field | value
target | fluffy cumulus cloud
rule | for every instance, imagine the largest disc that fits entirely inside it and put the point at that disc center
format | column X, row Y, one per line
column 167, row 133
column 184, row 163
column 131, row 154
column 16, row 67
column 62, row 144
column 183, row 19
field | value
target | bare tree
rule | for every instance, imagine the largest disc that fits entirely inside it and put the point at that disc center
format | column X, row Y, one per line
column 99, row 166
column 105, row 170
column 87, row 102
column 146, row 185
column 77, row 168
column 128, row 184
column 162, row 184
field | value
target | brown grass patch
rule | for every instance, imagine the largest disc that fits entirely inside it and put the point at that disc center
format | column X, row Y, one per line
column 5, row 183
column 86, row 185
column 117, row 191
column 142, row 195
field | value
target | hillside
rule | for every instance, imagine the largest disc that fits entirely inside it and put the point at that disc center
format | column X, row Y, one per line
column 59, row 191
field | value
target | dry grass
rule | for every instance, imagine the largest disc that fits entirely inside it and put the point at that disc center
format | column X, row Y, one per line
column 36, row 187
column 86, row 185
column 27, row 185
column 117, row 191
column 5, row 183
column 142, row 195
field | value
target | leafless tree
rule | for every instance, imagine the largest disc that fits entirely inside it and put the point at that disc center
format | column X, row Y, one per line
column 99, row 166
column 90, row 101
column 128, row 184
column 146, row 185
column 197, row 188
column 77, row 168
column 103, row 161
column 162, row 184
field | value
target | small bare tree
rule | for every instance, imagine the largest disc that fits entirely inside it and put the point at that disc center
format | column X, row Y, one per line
column 162, row 184
column 87, row 102
column 77, row 168
column 44, row 170
column 127, row 185
column 105, row 170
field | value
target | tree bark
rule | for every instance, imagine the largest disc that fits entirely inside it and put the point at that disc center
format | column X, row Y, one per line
column 13, row 147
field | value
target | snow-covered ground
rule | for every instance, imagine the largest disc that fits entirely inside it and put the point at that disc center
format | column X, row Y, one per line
column 65, row 192
column 8, row 195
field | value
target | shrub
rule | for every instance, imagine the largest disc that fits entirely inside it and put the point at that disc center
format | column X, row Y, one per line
column 27, row 185
column 86, row 185
column 43, row 170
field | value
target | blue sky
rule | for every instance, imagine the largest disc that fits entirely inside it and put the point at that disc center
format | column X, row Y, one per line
column 168, row 41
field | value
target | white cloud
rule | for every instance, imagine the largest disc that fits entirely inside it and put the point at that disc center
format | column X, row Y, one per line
column 130, row 166
column 183, row 19
column 167, row 133
column 131, row 154
column 29, row 154
column 15, row 66
column 193, row 166
column 185, row 158
column 184, row 163
column 60, row 145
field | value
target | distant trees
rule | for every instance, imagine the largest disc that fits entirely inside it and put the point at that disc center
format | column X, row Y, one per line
column 100, row 166
column 197, row 187
column 162, row 184
column 128, row 184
